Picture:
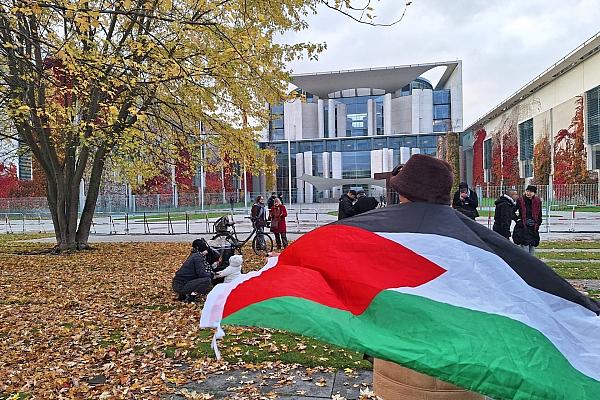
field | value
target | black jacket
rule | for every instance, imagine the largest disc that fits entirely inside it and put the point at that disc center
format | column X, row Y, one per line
column 345, row 208
column 468, row 206
column 258, row 215
column 504, row 215
column 364, row 204
column 270, row 202
column 192, row 268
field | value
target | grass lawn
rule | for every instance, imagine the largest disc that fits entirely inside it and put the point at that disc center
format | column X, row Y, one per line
column 104, row 321
column 595, row 294
column 570, row 245
column 576, row 255
column 574, row 270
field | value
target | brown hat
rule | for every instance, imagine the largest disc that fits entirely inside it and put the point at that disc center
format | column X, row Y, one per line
column 424, row 179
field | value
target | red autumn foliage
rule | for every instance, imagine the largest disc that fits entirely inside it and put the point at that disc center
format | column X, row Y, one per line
column 569, row 150
column 11, row 186
column 496, row 159
column 542, row 160
column 478, row 157
column 510, row 156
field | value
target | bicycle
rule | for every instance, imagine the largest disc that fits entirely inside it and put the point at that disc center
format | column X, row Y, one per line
column 262, row 243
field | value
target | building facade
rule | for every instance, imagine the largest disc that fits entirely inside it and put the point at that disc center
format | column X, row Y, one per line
column 354, row 124
column 548, row 132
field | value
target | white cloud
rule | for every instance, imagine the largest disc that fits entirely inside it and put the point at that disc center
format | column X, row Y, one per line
column 503, row 43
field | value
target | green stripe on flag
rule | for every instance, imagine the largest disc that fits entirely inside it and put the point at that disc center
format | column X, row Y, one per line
column 483, row 352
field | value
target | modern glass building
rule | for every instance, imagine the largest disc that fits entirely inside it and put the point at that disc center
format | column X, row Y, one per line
column 353, row 124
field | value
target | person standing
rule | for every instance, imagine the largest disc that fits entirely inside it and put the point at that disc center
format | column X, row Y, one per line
column 192, row 278
column 364, row 203
column 258, row 216
column 271, row 200
column 529, row 219
column 277, row 214
column 346, row 208
column 505, row 212
column 465, row 201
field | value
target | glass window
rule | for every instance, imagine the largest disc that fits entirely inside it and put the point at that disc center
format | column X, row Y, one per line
column 332, row 145
column 526, row 140
column 441, row 125
column 487, row 154
column 379, row 143
column 441, row 96
column 410, row 141
column 356, row 164
column 277, row 134
column 317, row 164
column 430, row 151
column 363, row 144
column 348, row 145
column 441, row 111
column 305, row 146
column 427, row 141
column 277, row 109
column 395, row 142
column 593, row 115
column 318, row 147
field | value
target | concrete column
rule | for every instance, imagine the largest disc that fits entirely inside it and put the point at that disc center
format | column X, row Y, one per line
column 331, row 118
column 292, row 121
column 404, row 154
column 336, row 171
column 321, row 117
column 341, row 120
column 416, row 110
column 376, row 162
column 371, row 117
column 387, row 114
column 308, row 188
column 81, row 195
column 385, row 160
column 426, row 121
column 390, row 165
column 299, row 173
column 326, row 172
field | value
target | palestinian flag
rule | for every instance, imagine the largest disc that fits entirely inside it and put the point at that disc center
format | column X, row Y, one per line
column 427, row 288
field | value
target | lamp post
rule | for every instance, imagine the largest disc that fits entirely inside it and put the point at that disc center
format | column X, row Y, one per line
column 290, row 169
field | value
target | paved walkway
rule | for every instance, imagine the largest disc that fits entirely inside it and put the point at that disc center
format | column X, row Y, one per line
column 299, row 384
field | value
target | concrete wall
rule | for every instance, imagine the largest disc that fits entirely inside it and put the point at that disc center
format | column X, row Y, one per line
column 426, row 112
column 292, row 121
column 401, row 115
column 310, row 121
column 341, row 120
column 454, row 83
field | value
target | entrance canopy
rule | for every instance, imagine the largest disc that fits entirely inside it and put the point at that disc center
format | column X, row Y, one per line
column 321, row 183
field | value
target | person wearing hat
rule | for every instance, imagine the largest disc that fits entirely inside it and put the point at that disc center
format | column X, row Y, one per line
column 465, row 201
column 528, row 220
column 193, row 277
column 364, row 203
column 426, row 180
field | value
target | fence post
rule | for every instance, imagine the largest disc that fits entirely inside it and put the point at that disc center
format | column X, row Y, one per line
column 548, row 203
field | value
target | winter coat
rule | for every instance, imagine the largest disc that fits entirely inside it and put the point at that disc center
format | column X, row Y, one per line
column 529, row 219
column 345, row 209
column 504, row 215
column 364, row 204
column 277, row 215
column 271, row 202
column 258, row 214
column 468, row 206
column 193, row 268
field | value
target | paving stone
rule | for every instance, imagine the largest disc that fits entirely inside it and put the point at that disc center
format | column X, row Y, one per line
column 296, row 384
column 349, row 385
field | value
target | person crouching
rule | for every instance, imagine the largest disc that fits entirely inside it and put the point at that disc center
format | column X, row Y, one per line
column 192, row 278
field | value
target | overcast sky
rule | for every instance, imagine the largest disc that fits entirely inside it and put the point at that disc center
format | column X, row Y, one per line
column 503, row 43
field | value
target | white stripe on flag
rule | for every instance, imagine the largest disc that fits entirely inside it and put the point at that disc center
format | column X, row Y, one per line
column 480, row 280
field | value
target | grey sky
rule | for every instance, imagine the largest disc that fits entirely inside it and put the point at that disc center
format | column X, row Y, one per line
column 503, row 44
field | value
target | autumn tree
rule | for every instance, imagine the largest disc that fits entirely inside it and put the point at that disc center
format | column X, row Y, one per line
column 133, row 82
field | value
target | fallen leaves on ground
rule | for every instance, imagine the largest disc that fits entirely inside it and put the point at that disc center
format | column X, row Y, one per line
column 100, row 324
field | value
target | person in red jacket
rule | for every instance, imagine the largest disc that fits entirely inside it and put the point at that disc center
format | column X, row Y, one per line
column 277, row 214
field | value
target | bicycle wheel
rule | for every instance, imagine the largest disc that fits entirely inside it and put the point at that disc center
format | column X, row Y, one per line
column 262, row 244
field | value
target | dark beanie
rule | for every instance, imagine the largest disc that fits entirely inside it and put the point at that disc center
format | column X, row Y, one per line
column 424, row 179
column 532, row 188
column 200, row 245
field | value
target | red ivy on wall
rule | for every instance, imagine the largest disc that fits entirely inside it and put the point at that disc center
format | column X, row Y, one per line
column 569, row 150
column 478, row 157
column 496, row 158
column 510, row 156
column 542, row 159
